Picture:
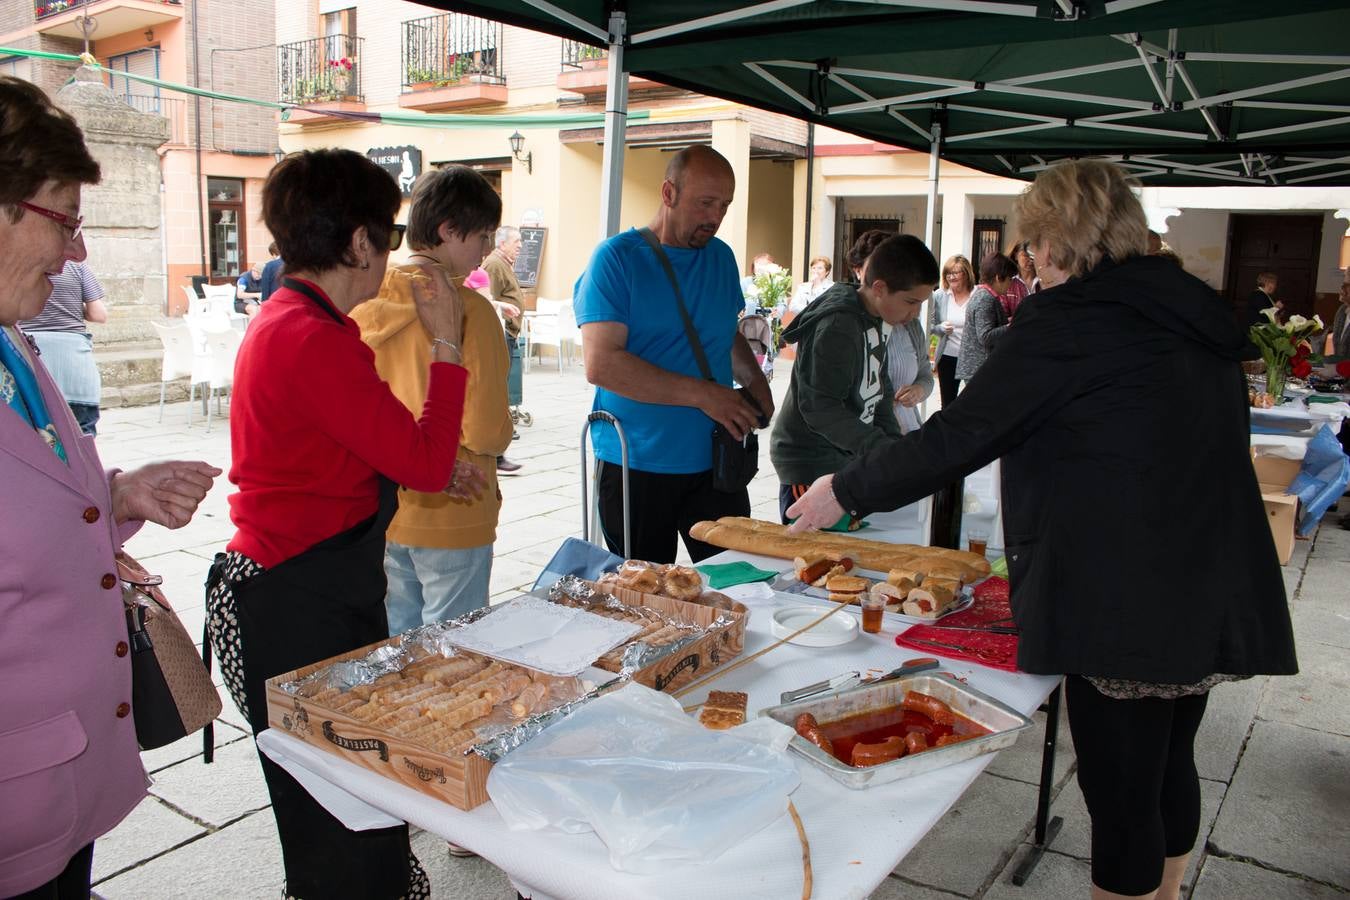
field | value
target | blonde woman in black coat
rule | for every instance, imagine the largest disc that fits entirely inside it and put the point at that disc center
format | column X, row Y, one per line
column 1107, row 475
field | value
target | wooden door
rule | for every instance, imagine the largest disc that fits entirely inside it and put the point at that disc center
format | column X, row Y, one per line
column 1285, row 245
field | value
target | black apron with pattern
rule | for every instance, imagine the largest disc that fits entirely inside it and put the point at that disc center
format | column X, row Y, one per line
column 324, row 601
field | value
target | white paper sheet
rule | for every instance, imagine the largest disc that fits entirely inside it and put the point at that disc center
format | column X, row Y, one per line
column 549, row 637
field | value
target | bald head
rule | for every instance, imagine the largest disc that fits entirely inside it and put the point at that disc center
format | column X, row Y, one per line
column 695, row 161
column 697, row 190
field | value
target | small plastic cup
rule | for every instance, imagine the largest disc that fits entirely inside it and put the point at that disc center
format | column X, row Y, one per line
column 977, row 541
column 872, row 608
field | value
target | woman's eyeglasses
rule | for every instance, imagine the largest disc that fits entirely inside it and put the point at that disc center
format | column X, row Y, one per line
column 65, row 221
column 396, row 237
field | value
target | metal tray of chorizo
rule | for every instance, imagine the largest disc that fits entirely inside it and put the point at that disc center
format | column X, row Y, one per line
column 898, row 729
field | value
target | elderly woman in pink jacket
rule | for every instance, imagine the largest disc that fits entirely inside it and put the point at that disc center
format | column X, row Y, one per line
column 69, row 765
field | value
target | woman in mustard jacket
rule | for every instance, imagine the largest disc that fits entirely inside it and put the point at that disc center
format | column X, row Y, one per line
column 438, row 556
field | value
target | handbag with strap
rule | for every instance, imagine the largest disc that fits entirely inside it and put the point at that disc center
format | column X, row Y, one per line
column 171, row 691
column 735, row 460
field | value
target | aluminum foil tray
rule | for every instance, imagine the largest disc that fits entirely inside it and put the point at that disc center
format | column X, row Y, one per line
column 1003, row 722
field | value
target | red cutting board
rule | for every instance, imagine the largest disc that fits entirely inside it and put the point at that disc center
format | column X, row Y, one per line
column 998, row 651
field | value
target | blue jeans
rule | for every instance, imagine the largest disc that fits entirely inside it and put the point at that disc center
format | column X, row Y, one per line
column 430, row 584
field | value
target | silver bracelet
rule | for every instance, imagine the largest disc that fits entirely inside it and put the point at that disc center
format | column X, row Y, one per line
column 454, row 348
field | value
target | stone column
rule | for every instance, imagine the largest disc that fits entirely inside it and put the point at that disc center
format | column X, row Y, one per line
column 123, row 228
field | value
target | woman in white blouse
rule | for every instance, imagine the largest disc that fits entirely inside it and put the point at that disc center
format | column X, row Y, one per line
column 947, row 319
column 809, row 290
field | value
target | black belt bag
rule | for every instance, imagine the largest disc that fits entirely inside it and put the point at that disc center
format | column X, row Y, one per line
column 735, row 460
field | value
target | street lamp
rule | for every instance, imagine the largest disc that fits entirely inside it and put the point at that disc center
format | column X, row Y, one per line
column 518, row 144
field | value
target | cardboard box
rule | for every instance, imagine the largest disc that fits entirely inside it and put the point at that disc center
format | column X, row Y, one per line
column 1275, row 475
column 718, row 646
column 460, row 781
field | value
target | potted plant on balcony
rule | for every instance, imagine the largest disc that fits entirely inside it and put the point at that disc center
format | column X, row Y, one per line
column 419, row 79
column 340, row 76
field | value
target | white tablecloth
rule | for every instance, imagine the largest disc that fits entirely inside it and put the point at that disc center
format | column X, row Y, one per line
column 857, row 837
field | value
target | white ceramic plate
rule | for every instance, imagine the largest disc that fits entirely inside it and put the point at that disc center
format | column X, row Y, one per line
column 839, row 628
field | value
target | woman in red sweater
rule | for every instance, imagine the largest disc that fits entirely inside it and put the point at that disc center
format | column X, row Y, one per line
column 319, row 444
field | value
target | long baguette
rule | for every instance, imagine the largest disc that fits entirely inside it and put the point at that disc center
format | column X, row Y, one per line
column 770, row 539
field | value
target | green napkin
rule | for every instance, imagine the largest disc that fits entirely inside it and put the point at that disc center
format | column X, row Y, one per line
column 1321, row 398
column 724, row 575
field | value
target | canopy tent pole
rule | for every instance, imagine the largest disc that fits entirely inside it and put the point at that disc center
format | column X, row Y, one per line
column 616, row 125
column 810, row 178
column 930, row 220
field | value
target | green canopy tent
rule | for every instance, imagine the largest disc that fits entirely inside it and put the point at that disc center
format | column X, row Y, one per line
column 1181, row 92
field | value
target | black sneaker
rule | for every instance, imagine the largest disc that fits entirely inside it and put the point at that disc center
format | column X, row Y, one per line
column 506, row 466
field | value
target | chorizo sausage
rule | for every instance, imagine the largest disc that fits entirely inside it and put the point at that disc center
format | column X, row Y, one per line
column 939, row 712
column 876, row 754
column 948, row 739
column 809, row 728
column 915, row 742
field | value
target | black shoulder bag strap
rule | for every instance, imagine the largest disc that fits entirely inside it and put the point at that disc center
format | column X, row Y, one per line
column 699, row 356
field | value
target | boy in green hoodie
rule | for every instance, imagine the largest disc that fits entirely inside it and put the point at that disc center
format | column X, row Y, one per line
column 838, row 405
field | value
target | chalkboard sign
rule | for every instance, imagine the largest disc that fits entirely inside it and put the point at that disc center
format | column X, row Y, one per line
column 403, row 164
column 530, row 255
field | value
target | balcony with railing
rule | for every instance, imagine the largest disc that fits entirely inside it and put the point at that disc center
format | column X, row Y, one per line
column 585, row 70
column 172, row 108
column 452, row 61
column 114, row 17
column 322, row 72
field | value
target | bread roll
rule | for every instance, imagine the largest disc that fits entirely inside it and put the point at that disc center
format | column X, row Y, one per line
column 929, row 601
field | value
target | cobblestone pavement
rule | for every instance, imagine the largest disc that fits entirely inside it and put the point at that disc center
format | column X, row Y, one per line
column 1274, row 753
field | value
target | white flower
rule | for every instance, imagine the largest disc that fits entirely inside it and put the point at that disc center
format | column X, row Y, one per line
column 1270, row 313
column 1295, row 323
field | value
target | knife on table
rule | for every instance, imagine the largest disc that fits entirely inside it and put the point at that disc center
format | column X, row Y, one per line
column 988, row 629
column 837, row 683
column 911, row 667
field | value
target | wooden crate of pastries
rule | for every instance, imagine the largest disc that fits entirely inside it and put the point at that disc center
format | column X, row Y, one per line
column 772, row 539
column 414, row 726
column 714, row 648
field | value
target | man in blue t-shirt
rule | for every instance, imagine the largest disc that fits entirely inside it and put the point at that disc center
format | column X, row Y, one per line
column 639, row 358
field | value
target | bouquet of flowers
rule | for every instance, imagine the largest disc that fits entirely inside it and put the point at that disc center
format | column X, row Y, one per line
column 772, row 287
column 344, row 64
column 1286, row 349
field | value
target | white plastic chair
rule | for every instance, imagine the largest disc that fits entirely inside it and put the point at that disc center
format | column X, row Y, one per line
column 544, row 327
column 220, row 296
column 222, row 346
column 184, row 355
column 568, row 330
column 196, row 305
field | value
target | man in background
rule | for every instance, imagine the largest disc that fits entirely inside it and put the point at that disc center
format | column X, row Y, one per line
column 271, row 274
column 505, row 288
column 1262, row 298
column 67, row 347
column 248, row 291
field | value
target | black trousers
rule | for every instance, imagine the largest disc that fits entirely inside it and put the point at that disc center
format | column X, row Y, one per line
column 1136, row 766
column 663, row 506
column 71, row 884
column 948, row 383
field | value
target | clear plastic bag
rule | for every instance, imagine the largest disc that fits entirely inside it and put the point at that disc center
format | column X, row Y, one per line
column 654, row 785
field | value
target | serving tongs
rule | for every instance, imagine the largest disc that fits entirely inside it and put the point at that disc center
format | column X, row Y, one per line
column 853, row 679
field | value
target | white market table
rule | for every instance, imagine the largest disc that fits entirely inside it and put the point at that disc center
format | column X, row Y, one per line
column 857, row 837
